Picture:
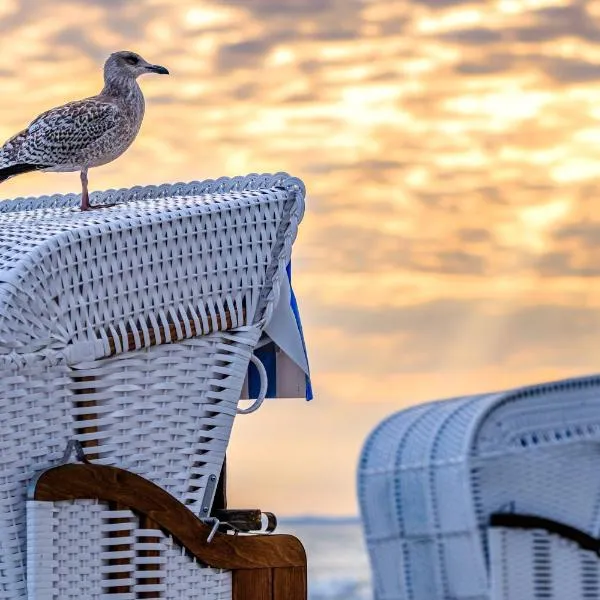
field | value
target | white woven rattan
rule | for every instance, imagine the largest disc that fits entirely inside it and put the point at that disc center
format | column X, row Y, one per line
column 130, row 329
column 537, row 564
column 431, row 476
column 164, row 412
column 73, row 553
column 69, row 276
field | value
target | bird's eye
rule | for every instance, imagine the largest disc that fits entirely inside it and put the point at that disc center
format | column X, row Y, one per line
column 132, row 60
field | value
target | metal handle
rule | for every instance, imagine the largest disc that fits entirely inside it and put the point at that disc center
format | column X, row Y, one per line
column 264, row 381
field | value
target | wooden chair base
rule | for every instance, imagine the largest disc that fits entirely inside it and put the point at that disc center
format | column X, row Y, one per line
column 264, row 567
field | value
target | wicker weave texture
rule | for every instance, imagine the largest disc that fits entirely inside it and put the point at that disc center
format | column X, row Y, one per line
column 36, row 421
column 536, row 564
column 69, row 276
column 165, row 412
column 84, row 550
column 431, row 476
column 184, row 579
column 64, row 550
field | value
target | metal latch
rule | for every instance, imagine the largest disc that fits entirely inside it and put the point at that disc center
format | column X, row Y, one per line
column 246, row 520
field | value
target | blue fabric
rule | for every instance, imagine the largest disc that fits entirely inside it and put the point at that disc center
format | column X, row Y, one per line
column 267, row 354
column 309, row 392
column 268, row 357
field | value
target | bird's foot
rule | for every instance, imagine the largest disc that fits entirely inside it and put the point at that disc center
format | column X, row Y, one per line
column 85, row 203
column 88, row 206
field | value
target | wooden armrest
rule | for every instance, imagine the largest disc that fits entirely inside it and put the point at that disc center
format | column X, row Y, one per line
column 110, row 484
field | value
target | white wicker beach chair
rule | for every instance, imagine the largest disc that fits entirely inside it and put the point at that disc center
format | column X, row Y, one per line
column 130, row 330
column 491, row 497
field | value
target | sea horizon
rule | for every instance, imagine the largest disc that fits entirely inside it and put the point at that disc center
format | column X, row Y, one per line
column 338, row 564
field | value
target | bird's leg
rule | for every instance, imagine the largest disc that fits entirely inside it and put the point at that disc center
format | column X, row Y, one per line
column 85, row 197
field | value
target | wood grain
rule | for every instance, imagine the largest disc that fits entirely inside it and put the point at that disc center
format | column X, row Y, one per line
column 289, row 583
column 254, row 584
column 110, row 484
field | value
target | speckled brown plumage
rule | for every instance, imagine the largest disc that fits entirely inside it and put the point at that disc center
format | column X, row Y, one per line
column 86, row 133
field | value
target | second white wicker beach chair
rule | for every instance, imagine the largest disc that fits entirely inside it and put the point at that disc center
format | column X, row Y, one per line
column 491, row 497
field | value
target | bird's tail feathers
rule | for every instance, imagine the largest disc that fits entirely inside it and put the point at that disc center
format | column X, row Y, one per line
column 10, row 165
column 12, row 170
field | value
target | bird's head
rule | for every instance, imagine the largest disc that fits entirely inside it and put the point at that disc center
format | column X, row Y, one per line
column 126, row 64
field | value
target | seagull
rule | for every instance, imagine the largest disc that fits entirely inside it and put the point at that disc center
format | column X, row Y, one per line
column 86, row 133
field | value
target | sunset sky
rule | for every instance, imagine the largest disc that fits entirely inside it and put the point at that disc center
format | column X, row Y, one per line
column 451, row 152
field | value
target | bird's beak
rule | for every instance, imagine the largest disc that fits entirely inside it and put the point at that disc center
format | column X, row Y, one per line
column 157, row 69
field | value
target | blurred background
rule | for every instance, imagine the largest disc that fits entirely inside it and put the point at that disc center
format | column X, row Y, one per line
column 451, row 151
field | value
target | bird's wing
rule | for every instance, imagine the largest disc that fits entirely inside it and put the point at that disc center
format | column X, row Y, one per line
column 61, row 134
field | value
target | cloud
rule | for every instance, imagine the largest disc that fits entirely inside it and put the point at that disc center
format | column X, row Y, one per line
column 17, row 16
column 588, row 233
column 474, row 234
column 565, row 70
column 456, row 262
column 542, row 25
column 357, row 249
column 573, row 252
column 449, row 334
column 562, row 264
column 475, row 35
column 243, row 55
column 296, row 8
column 374, row 165
column 560, row 21
column 440, row 3
column 76, row 39
column 246, row 91
column 491, row 64
column 441, row 317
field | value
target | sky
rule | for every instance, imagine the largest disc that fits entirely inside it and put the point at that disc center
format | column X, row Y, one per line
column 451, row 152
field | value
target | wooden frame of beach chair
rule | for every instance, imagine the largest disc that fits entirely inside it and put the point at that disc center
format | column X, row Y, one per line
column 264, row 567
